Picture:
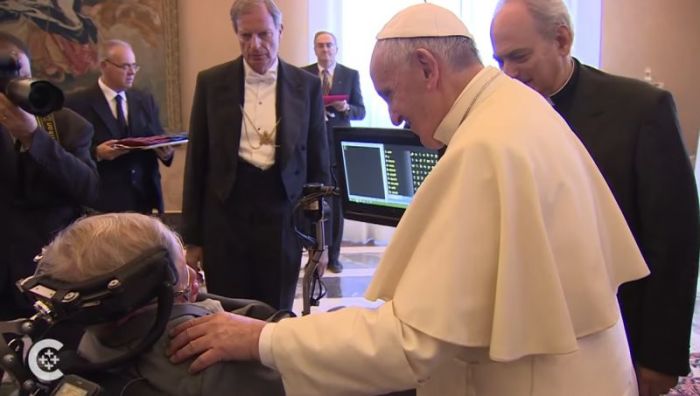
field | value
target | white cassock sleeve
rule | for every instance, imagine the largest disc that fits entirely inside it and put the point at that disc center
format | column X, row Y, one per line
column 370, row 352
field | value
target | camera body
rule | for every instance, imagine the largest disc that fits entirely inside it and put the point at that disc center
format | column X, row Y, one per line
column 38, row 97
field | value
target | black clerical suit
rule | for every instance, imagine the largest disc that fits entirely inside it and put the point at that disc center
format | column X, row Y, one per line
column 42, row 190
column 239, row 214
column 130, row 182
column 346, row 81
column 631, row 130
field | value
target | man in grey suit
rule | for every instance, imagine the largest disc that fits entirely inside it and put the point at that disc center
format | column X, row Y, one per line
column 631, row 131
column 336, row 79
column 257, row 135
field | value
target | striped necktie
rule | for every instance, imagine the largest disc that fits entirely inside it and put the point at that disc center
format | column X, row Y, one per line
column 326, row 82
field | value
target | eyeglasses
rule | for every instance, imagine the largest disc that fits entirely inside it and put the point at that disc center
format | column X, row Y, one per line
column 125, row 66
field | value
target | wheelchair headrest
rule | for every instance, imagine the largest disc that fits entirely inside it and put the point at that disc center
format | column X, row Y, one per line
column 105, row 298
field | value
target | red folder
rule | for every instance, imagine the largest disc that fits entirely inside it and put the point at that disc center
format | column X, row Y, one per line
column 328, row 99
column 150, row 142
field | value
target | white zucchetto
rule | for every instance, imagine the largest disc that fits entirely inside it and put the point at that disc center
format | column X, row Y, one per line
column 424, row 20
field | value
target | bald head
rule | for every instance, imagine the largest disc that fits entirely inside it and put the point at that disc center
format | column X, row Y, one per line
column 548, row 15
column 532, row 42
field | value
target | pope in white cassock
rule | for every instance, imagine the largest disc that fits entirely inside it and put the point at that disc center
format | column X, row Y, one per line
column 501, row 277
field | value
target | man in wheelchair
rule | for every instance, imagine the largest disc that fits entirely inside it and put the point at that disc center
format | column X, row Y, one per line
column 123, row 277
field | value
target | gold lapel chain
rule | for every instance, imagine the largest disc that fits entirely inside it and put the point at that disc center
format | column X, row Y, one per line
column 266, row 138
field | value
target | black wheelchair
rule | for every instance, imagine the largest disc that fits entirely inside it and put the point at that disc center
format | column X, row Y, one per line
column 51, row 369
column 47, row 368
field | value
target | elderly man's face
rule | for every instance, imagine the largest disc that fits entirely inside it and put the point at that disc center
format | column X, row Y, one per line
column 119, row 68
column 403, row 89
column 525, row 54
column 259, row 38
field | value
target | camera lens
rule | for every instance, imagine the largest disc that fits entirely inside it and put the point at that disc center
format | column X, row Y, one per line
column 45, row 98
column 38, row 97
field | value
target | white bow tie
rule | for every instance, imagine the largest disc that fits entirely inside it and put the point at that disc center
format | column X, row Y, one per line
column 265, row 79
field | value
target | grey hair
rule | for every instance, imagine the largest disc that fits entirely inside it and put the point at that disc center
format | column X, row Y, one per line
column 240, row 7
column 549, row 15
column 320, row 32
column 458, row 51
column 106, row 47
column 96, row 245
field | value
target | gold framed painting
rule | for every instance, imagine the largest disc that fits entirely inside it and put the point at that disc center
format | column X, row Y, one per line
column 63, row 37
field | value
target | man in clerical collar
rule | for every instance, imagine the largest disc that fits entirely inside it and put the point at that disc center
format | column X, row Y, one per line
column 257, row 135
column 632, row 132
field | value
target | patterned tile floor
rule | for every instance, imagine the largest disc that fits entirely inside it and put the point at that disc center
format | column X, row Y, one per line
column 690, row 385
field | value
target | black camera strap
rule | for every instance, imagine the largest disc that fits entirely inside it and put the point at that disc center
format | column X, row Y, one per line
column 48, row 122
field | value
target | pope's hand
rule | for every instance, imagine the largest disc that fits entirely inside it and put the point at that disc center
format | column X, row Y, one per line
column 215, row 338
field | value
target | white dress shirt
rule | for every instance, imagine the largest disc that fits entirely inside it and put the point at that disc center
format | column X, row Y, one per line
column 110, row 95
column 259, row 117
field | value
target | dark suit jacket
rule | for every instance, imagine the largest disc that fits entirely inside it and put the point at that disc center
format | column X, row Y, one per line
column 215, row 123
column 631, row 130
column 346, row 81
column 41, row 192
column 133, row 176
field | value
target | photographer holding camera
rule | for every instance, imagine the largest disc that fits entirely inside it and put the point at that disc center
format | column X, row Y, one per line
column 46, row 172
